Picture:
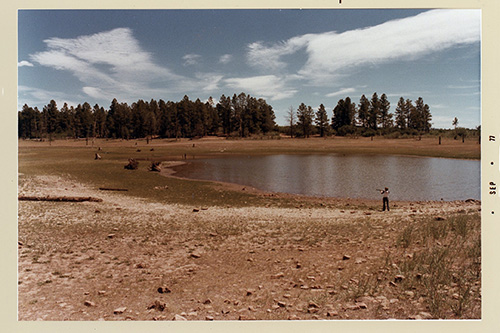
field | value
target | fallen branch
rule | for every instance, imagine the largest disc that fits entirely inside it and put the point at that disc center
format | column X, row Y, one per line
column 112, row 189
column 59, row 199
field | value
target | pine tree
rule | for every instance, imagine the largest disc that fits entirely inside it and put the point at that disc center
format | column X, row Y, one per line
column 321, row 120
column 305, row 117
column 385, row 115
column 364, row 111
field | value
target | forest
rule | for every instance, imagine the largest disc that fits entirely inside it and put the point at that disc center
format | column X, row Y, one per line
column 238, row 116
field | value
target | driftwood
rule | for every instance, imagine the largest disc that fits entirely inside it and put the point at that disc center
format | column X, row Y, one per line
column 112, row 189
column 155, row 166
column 132, row 164
column 58, row 199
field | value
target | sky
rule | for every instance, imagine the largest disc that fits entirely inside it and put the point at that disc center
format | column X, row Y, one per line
column 287, row 57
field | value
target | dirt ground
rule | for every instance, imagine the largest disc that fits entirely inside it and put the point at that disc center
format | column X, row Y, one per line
column 130, row 259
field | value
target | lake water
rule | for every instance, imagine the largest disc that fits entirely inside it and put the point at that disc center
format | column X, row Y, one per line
column 346, row 176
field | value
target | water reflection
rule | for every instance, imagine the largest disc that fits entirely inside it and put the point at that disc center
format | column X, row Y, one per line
column 355, row 176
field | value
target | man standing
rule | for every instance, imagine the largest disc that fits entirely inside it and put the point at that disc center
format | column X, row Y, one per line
column 385, row 199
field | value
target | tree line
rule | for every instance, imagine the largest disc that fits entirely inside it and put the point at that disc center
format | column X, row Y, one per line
column 241, row 115
column 369, row 117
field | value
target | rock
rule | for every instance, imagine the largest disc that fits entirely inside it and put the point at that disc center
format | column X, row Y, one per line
column 346, row 257
column 362, row 305
column 399, row 278
column 312, row 310
column 425, row 315
column 313, row 305
column 251, row 308
column 101, row 292
column 119, row 310
column 111, row 235
column 279, row 275
column 250, row 292
column 281, row 304
column 298, row 265
column 209, row 318
column 158, row 306
column 164, row 290
column 207, row 301
column 242, row 317
column 332, row 314
column 195, row 255
column 293, row 317
column 179, row 318
column 353, row 307
column 88, row 303
column 195, row 210
column 439, row 218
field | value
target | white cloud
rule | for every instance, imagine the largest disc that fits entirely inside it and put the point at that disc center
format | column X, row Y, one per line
column 266, row 86
column 110, row 63
column 341, row 92
column 24, row 63
column 226, row 58
column 331, row 54
column 191, row 59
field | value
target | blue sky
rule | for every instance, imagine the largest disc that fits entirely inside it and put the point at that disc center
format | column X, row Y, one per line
column 287, row 57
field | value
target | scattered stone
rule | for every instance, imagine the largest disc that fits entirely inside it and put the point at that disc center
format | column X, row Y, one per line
column 88, row 303
column 359, row 261
column 298, row 265
column 204, row 208
column 97, row 211
column 209, row 318
column 207, row 301
column 425, row 315
column 287, row 296
column 111, row 235
column 282, row 304
column 179, row 318
column 293, row 317
column 164, row 290
column 120, row 310
column 250, row 292
column 279, row 275
column 391, row 283
column 313, row 305
column 362, row 305
column 368, row 213
column 439, row 218
column 242, row 317
column 332, row 314
column 195, row 255
column 213, row 234
column 312, row 310
column 251, row 308
column 399, row 278
column 140, row 266
column 196, row 210
column 353, row 307
column 158, row 306
column 101, row 292
column 346, row 257
column 409, row 294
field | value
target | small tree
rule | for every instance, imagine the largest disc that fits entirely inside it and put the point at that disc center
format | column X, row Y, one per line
column 305, row 117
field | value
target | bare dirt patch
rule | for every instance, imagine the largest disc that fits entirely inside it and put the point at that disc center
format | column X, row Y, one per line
column 131, row 259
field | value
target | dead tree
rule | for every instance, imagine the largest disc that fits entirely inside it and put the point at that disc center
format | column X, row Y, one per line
column 132, row 164
column 155, row 166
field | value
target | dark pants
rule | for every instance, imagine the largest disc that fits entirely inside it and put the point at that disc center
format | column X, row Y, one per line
column 385, row 202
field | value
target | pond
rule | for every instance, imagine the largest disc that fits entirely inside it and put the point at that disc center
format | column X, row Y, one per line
column 346, row 176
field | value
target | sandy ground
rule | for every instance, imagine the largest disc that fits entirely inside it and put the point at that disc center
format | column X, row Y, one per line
column 130, row 259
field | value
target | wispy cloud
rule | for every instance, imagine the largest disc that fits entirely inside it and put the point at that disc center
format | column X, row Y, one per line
column 36, row 96
column 331, row 54
column 226, row 58
column 191, row 59
column 24, row 63
column 341, row 92
column 110, row 63
column 266, row 86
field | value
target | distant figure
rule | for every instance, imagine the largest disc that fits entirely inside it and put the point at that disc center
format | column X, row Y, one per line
column 385, row 199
